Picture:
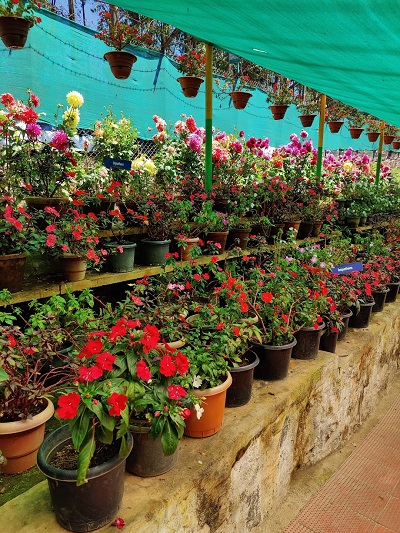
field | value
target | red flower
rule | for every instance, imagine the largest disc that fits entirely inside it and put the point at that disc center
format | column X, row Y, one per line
column 116, row 331
column 167, row 366
column 118, row 402
column 197, row 277
column 267, row 297
column 89, row 373
column 93, row 347
column 220, row 326
column 68, row 405
column 150, row 338
column 185, row 413
column 182, row 363
column 175, row 392
column 143, row 371
column 11, row 341
column 105, row 360
column 236, row 331
column 119, row 523
column 51, row 240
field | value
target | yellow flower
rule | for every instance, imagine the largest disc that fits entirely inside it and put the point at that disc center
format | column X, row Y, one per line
column 348, row 166
column 150, row 167
column 75, row 99
column 71, row 117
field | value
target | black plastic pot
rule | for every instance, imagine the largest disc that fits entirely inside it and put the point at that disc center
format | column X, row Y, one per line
column 328, row 341
column 147, row 458
column 305, row 229
column 239, row 393
column 345, row 319
column 89, row 506
column 363, row 317
column 308, row 340
column 274, row 360
column 393, row 292
column 380, row 299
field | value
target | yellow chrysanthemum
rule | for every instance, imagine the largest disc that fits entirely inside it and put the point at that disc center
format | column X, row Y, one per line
column 348, row 166
column 150, row 167
column 71, row 117
column 75, row 99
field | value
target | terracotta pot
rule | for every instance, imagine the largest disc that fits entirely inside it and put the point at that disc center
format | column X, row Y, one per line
column 218, row 237
column 373, row 136
column 89, row 506
column 238, row 237
column 295, row 224
column 396, row 145
column 355, row 133
column 307, row 120
column 190, row 85
column 278, row 111
column 316, row 229
column 388, row 139
column 12, row 271
column 20, row 441
column 308, row 340
column 275, row 229
column 147, row 458
column 14, row 31
column 345, row 319
column 274, row 360
column 305, row 229
column 175, row 345
column 239, row 393
column 240, row 99
column 213, row 415
column 184, row 252
column 120, row 63
column 73, row 267
column 335, row 125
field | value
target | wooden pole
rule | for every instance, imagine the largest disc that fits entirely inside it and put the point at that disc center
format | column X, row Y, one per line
column 209, row 80
column 380, row 149
column 322, row 105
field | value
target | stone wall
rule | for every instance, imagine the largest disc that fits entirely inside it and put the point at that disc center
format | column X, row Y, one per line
column 234, row 480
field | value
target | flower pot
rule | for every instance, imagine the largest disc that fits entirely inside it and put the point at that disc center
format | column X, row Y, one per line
column 120, row 63
column 274, row 360
column 355, row 133
column 328, row 341
column 396, row 145
column 240, row 99
column 73, row 267
column 308, row 340
column 316, row 228
column 388, row 139
column 274, row 232
column 20, row 441
column 335, row 125
column 352, row 222
column 305, row 229
column 239, row 393
column 121, row 261
column 14, row 31
column 307, row 120
column 363, row 317
column 190, row 85
column 91, row 505
column 184, row 252
column 218, row 238
column 295, row 224
column 12, row 271
column 373, row 136
column 153, row 252
column 393, row 292
column 278, row 111
column 363, row 221
column 380, row 299
column 238, row 237
column 213, row 415
column 147, row 458
column 345, row 319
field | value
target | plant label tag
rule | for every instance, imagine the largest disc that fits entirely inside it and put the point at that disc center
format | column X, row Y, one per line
column 348, row 268
column 117, row 163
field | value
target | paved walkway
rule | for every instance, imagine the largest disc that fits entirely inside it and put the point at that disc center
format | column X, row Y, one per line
column 363, row 496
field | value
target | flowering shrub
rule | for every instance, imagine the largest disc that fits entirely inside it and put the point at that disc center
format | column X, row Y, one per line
column 21, row 8
column 123, row 377
column 281, row 91
column 192, row 63
column 16, row 228
column 117, row 30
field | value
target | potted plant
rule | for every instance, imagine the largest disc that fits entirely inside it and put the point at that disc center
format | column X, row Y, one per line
column 16, row 19
column 335, row 114
column 280, row 96
column 374, row 126
column 116, row 29
column 192, row 65
column 215, row 225
column 308, row 104
column 356, row 121
column 390, row 133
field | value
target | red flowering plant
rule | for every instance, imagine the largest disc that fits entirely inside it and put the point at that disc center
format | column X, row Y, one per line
column 17, row 233
column 25, row 9
column 193, row 62
column 117, row 30
column 123, row 378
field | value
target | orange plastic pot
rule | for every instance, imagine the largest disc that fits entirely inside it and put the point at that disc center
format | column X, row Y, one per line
column 213, row 415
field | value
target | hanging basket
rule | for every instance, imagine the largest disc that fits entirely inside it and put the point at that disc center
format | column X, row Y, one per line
column 335, row 125
column 396, row 145
column 278, row 111
column 240, row 99
column 388, row 139
column 120, row 63
column 190, row 85
column 355, row 132
column 373, row 136
column 14, row 31
column 307, row 120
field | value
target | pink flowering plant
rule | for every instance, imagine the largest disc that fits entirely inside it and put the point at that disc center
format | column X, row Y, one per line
column 124, row 377
column 25, row 9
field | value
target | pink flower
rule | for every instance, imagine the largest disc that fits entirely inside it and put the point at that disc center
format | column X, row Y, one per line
column 51, row 211
column 51, row 241
column 33, row 130
column 60, row 141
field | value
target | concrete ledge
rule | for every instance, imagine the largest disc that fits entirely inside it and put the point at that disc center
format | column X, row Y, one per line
column 234, row 481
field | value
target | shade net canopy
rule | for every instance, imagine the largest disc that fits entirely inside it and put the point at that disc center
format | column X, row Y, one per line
column 347, row 49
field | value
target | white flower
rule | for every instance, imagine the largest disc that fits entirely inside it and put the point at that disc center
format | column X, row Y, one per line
column 199, row 411
column 75, row 99
column 197, row 381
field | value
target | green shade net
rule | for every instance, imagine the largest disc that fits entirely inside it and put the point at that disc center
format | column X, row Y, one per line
column 348, row 49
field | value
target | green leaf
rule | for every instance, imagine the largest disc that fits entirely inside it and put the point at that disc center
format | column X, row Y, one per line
column 84, row 458
column 3, row 375
column 105, row 419
column 169, row 438
column 157, row 426
column 80, row 428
